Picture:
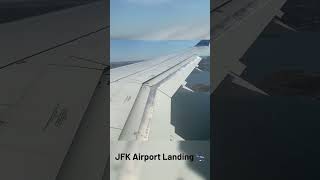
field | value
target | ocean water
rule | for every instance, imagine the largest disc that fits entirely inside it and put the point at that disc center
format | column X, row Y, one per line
column 191, row 110
column 269, row 134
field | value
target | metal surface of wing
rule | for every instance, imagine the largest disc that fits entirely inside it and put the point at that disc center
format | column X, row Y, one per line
column 140, row 95
column 50, row 68
column 235, row 25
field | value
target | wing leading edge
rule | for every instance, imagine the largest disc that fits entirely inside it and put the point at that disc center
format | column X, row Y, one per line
column 140, row 95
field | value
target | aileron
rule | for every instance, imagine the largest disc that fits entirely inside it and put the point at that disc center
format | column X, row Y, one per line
column 157, row 81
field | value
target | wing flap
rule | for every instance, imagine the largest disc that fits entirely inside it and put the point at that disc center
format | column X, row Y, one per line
column 236, row 27
column 122, row 97
column 46, row 117
column 160, row 127
column 45, row 96
column 170, row 86
column 165, row 78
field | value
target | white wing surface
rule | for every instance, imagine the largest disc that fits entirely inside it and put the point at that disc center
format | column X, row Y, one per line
column 140, row 95
column 235, row 25
column 50, row 68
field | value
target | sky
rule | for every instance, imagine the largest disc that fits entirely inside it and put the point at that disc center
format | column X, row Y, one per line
column 160, row 19
column 136, row 50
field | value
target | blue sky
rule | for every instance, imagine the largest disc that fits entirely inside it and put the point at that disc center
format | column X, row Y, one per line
column 160, row 19
column 133, row 50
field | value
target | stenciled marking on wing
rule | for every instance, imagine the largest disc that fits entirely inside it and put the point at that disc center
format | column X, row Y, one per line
column 58, row 116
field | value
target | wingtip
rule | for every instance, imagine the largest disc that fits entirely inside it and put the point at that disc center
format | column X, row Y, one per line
column 203, row 43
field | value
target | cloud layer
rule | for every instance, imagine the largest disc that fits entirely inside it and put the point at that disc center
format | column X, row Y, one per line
column 177, row 32
column 160, row 19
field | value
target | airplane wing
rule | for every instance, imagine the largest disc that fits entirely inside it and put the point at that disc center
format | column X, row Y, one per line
column 140, row 95
column 235, row 25
column 51, row 70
